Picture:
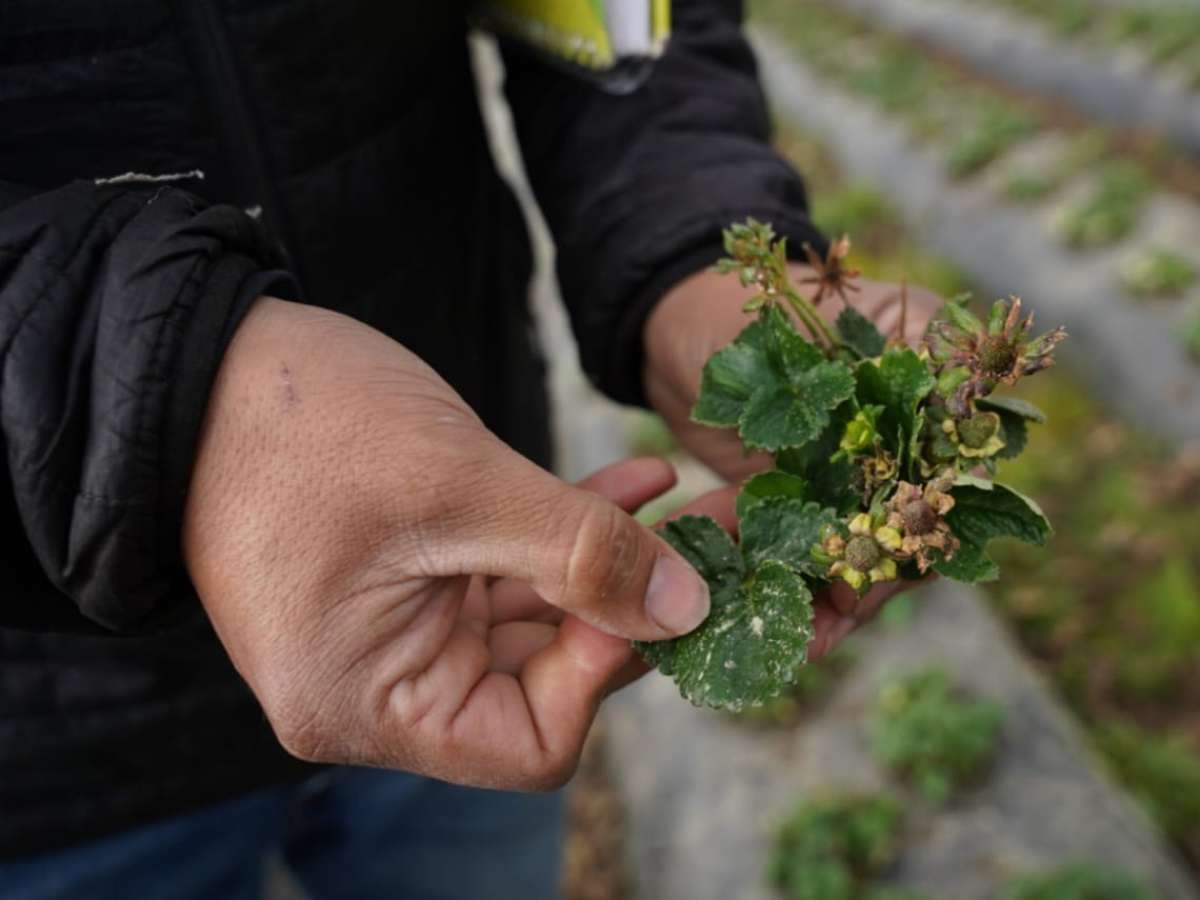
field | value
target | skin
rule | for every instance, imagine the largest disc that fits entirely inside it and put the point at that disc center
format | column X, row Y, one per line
column 399, row 588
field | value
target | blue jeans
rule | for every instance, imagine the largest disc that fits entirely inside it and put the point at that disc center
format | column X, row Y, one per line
column 347, row 833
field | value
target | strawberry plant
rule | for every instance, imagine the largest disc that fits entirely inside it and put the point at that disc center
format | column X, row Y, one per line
column 935, row 739
column 830, row 849
column 1157, row 273
column 884, row 457
column 1110, row 212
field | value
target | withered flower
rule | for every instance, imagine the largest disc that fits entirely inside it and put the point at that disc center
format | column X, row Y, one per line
column 877, row 469
column 1000, row 352
column 832, row 276
column 865, row 557
column 919, row 516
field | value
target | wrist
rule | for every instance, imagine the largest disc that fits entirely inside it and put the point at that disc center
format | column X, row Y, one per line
column 696, row 318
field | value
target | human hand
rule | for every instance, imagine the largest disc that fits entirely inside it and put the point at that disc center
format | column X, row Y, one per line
column 704, row 313
column 397, row 586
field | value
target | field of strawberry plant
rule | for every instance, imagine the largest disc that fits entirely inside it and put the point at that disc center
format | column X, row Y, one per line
column 1132, row 65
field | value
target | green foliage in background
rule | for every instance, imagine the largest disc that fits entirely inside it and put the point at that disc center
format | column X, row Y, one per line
column 830, row 849
column 1164, row 772
column 922, row 729
column 1110, row 211
column 1156, row 272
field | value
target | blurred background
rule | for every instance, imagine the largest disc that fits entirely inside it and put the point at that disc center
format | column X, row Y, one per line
column 1049, row 148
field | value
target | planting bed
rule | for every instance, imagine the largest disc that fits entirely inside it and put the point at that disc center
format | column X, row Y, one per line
column 1134, row 355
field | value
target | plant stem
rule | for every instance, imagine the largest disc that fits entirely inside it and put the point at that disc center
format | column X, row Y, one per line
column 811, row 318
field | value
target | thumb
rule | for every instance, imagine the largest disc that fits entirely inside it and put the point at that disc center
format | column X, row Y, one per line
column 583, row 554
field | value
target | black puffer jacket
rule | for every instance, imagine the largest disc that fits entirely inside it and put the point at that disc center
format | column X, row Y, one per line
column 351, row 132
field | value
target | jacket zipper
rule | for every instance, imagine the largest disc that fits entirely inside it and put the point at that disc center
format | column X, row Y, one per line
column 243, row 144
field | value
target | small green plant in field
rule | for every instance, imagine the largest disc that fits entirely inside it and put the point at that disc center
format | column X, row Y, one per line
column 830, row 849
column 884, row 458
column 921, row 729
column 1163, row 772
column 1112, row 209
column 992, row 132
column 1158, row 273
column 1081, row 881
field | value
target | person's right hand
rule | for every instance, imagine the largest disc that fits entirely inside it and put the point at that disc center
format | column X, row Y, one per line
column 397, row 586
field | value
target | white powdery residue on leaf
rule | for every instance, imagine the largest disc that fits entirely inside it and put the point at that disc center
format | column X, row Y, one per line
column 756, row 625
column 725, row 625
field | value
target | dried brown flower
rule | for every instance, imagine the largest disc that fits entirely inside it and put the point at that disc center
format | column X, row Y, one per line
column 919, row 515
column 832, row 276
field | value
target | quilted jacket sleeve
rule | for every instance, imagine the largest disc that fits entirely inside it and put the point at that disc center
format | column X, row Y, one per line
column 636, row 188
column 116, row 304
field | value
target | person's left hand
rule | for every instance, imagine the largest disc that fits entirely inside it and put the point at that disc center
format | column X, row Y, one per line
column 704, row 313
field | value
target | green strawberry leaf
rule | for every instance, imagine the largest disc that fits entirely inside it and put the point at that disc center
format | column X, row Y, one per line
column 830, row 480
column 790, row 414
column 898, row 383
column 1013, row 405
column 1015, row 414
column 1015, row 432
column 756, row 637
column 785, row 530
column 970, row 565
column 731, row 376
column 769, row 484
column 773, row 384
column 984, row 510
column 860, row 333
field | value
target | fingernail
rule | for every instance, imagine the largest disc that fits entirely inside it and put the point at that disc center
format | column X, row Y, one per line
column 676, row 598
